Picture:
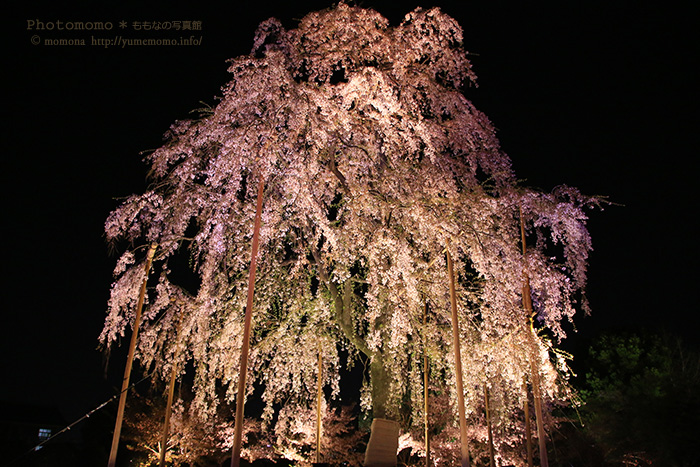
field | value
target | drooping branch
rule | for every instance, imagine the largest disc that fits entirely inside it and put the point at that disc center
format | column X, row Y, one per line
column 342, row 301
column 336, row 172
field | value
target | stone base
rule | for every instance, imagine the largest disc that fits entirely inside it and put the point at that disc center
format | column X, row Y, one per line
column 383, row 444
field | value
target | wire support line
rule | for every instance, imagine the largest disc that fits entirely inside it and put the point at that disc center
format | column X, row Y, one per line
column 84, row 417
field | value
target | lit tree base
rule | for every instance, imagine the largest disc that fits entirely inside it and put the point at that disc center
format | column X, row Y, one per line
column 383, row 443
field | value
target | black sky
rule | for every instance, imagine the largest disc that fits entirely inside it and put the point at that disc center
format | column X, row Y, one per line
column 601, row 96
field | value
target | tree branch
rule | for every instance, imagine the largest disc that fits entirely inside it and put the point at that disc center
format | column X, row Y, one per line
column 342, row 301
column 337, row 173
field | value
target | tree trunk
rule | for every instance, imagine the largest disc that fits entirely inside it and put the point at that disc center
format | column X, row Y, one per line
column 379, row 378
column 383, row 444
column 384, row 441
column 382, row 448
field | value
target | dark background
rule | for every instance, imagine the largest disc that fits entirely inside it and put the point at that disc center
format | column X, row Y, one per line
column 601, row 96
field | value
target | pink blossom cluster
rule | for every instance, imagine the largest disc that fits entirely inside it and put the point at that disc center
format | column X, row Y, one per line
column 374, row 164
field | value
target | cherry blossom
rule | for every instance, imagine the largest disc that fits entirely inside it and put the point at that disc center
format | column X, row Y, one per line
column 373, row 161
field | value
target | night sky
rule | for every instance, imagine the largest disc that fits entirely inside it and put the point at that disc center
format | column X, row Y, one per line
column 598, row 96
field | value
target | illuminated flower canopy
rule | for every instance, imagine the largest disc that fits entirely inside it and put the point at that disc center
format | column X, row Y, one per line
column 373, row 161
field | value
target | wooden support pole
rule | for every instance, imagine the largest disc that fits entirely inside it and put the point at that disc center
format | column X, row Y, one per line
column 492, row 459
column 426, row 370
column 464, row 448
column 130, row 360
column 238, row 430
column 534, row 368
column 168, row 411
column 537, row 397
column 169, row 403
column 528, row 430
column 319, row 400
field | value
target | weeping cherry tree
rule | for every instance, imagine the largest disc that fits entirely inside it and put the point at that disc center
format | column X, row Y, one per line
column 373, row 163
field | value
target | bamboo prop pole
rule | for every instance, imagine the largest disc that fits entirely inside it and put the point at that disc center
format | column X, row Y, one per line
column 426, row 370
column 458, row 363
column 130, row 360
column 492, row 460
column 544, row 462
column 536, row 390
column 168, row 411
column 238, row 430
column 528, row 430
column 169, row 405
column 319, row 399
